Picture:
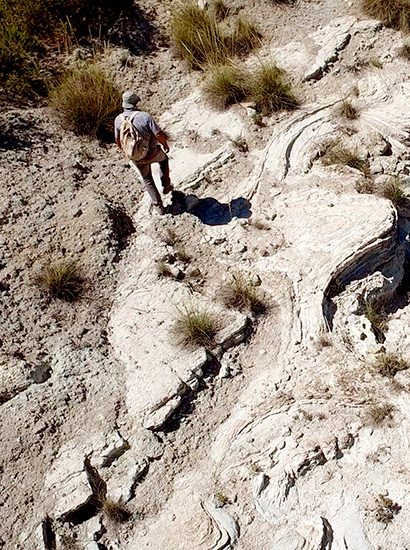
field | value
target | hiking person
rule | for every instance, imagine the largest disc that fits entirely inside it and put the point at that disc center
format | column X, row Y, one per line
column 143, row 143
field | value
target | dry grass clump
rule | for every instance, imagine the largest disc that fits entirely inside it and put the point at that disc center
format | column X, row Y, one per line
column 201, row 40
column 87, row 101
column 393, row 191
column 244, row 37
column 389, row 364
column 375, row 311
column 337, row 154
column 196, row 35
column 220, row 10
column 386, row 509
column 365, row 186
column 347, row 110
column 378, row 413
column 115, row 511
column 393, row 13
column 404, row 51
column 194, row 327
column 225, row 85
column 242, row 294
column 270, row 91
column 61, row 280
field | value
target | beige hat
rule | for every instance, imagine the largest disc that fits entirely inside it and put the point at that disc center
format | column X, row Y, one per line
column 129, row 99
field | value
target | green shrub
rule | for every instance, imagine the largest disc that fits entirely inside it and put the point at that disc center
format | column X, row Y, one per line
column 86, row 101
column 225, row 85
column 61, row 280
column 193, row 327
column 393, row 13
column 270, row 91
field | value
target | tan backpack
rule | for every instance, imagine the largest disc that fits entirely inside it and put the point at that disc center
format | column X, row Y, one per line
column 133, row 144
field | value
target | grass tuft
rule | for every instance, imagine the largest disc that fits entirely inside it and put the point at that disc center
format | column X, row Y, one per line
column 270, row 91
column 404, row 50
column 194, row 327
column 115, row 511
column 393, row 191
column 61, row 280
column 225, row 85
column 196, row 35
column 347, row 110
column 220, row 10
column 389, row 364
column 393, row 13
column 244, row 38
column 374, row 310
column 242, row 294
column 337, row 154
column 87, row 102
column 378, row 413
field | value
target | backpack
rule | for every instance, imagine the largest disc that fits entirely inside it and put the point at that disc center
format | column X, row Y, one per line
column 133, row 144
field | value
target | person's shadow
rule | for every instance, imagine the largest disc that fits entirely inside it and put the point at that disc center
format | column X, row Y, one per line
column 209, row 210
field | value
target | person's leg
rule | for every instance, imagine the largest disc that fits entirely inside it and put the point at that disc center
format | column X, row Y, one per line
column 146, row 175
column 164, row 175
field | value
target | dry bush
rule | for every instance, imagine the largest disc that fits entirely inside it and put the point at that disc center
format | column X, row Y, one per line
column 393, row 191
column 324, row 341
column 337, row 154
column 378, row 413
column 242, row 294
column 386, row 509
column 87, row 101
column 194, row 327
column 347, row 110
column 365, row 186
column 389, row 364
column 164, row 270
column 225, row 85
column 240, row 143
column 61, row 280
column 270, row 91
column 393, row 13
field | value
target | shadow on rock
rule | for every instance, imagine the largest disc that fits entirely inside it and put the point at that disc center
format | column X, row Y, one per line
column 209, row 210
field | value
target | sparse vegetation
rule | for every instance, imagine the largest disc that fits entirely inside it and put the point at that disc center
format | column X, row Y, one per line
column 182, row 254
column 225, row 85
column 404, row 51
column 259, row 224
column 389, row 364
column 196, row 35
column 87, row 101
column 240, row 143
column 365, row 186
column 115, row 511
column 169, row 237
column 194, row 327
column 220, row 10
column 163, row 269
column 221, row 499
column 244, row 38
column 323, row 341
column 347, row 110
column 270, row 91
column 378, row 413
column 386, row 509
column 393, row 13
column 61, row 280
column 242, row 294
column 337, row 154
column 33, row 31
column 375, row 311
column 393, row 191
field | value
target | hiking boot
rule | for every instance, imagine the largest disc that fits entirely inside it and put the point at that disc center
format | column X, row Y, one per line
column 167, row 187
